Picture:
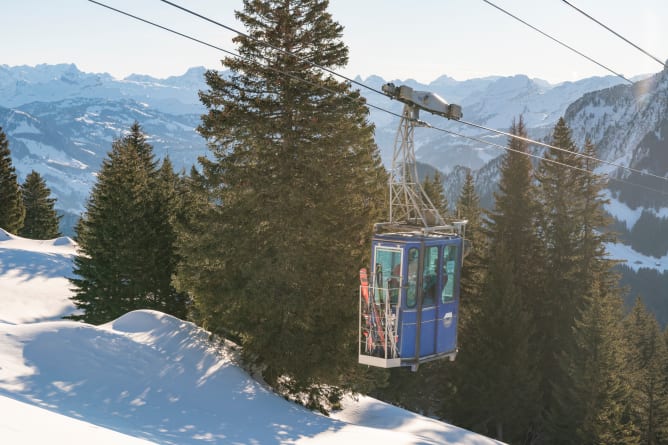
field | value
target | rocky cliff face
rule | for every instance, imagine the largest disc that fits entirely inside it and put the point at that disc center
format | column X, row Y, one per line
column 629, row 126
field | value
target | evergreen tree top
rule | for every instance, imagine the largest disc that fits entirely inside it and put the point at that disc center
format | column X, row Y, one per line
column 41, row 220
column 300, row 32
column 12, row 211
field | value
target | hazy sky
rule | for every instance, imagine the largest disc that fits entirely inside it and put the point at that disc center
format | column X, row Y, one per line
column 419, row 39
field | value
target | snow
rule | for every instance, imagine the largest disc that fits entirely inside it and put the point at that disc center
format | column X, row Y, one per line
column 24, row 417
column 619, row 251
column 24, row 128
column 148, row 377
column 634, row 259
column 622, row 212
column 51, row 155
column 33, row 278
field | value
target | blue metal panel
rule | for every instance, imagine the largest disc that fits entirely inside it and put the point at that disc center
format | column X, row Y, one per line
column 428, row 332
column 407, row 333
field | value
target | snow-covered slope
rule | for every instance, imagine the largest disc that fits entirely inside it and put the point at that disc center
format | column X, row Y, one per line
column 33, row 279
column 29, row 424
column 629, row 126
column 148, row 377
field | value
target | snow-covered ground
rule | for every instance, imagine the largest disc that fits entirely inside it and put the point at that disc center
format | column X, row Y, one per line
column 627, row 215
column 148, row 377
column 618, row 251
column 634, row 259
column 33, row 279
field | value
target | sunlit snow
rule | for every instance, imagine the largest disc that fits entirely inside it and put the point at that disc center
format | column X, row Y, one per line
column 148, row 377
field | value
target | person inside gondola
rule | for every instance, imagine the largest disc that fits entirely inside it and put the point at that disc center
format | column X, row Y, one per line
column 411, row 279
column 429, row 287
column 412, row 264
column 429, row 277
column 449, row 265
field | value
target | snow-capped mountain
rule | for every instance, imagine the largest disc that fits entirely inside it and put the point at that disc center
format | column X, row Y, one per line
column 61, row 121
column 629, row 126
column 51, row 83
column 65, row 141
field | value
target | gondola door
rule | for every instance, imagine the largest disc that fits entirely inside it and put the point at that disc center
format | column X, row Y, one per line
column 419, row 321
column 428, row 304
column 448, row 304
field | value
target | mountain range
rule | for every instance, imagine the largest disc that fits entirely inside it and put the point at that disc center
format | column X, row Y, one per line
column 61, row 122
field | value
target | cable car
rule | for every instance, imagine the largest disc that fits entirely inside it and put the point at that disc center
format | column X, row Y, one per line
column 409, row 308
column 409, row 305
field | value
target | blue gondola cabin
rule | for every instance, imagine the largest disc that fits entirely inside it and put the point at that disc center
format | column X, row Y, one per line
column 409, row 300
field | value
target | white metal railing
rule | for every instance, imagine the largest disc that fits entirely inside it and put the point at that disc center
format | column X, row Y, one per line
column 378, row 322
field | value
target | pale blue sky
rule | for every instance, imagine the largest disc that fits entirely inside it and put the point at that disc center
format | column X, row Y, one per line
column 422, row 39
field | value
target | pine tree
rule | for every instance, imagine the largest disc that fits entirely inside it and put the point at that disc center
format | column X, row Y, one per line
column 473, row 270
column 295, row 183
column 648, row 359
column 600, row 282
column 433, row 188
column 472, row 279
column 560, row 227
column 594, row 406
column 511, row 224
column 125, row 238
column 497, row 381
column 594, row 264
column 192, row 221
column 12, row 210
column 585, row 380
column 163, row 222
column 41, row 220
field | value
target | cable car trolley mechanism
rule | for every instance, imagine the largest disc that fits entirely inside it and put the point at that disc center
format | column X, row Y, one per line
column 409, row 299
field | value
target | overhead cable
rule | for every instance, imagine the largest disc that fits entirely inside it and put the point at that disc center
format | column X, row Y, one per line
column 614, row 32
column 558, row 41
column 231, row 53
column 382, row 93
column 203, row 17
column 281, row 50
column 579, row 155
column 361, row 99
column 162, row 27
column 552, row 161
